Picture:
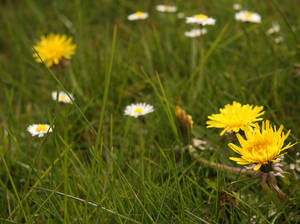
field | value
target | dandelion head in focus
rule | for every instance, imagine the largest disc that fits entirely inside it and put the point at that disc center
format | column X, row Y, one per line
column 166, row 8
column 138, row 16
column 53, row 48
column 201, row 19
column 139, row 109
column 235, row 117
column 62, row 97
column 261, row 146
column 39, row 129
column 195, row 33
column 247, row 16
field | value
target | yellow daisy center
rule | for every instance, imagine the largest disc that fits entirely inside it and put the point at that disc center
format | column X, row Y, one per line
column 41, row 127
column 201, row 16
column 138, row 110
column 139, row 13
column 62, row 98
column 248, row 15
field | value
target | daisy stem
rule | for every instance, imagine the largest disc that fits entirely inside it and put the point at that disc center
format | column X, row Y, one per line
column 39, row 159
column 249, row 46
column 201, row 63
column 194, row 53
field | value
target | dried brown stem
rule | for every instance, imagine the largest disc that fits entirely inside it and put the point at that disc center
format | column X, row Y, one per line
column 273, row 183
column 223, row 167
column 270, row 175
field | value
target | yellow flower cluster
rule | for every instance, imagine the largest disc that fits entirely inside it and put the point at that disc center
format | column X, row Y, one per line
column 258, row 145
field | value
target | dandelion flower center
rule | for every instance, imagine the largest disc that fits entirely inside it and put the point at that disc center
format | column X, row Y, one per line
column 201, row 16
column 138, row 110
column 41, row 127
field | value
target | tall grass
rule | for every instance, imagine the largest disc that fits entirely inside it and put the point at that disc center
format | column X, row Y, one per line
column 99, row 166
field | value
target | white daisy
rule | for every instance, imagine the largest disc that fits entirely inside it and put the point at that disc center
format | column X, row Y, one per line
column 62, row 97
column 247, row 16
column 278, row 39
column 180, row 15
column 201, row 19
column 166, row 8
column 138, row 109
column 138, row 16
column 274, row 29
column 39, row 129
column 195, row 32
column 237, row 6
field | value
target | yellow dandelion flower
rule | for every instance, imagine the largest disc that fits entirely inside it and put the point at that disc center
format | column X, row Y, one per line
column 260, row 146
column 235, row 117
column 53, row 48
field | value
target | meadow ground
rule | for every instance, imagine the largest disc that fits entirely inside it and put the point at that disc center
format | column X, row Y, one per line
column 100, row 166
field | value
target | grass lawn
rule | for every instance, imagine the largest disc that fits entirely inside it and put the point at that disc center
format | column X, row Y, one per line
column 98, row 165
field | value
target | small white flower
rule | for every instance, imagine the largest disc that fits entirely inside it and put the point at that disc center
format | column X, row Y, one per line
column 138, row 109
column 39, row 129
column 201, row 19
column 62, row 97
column 237, row 6
column 247, row 16
column 274, row 29
column 195, row 32
column 166, row 8
column 278, row 39
column 138, row 16
column 180, row 15
column 292, row 166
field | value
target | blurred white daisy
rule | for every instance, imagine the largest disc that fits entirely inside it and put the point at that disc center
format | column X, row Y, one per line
column 195, row 32
column 247, row 16
column 201, row 19
column 138, row 109
column 237, row 6
column 39, row 129
column 180, row 15
column 166, row 8
column 138, row 16
column 278, row 39
column 274, row 29
column 62, row 97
